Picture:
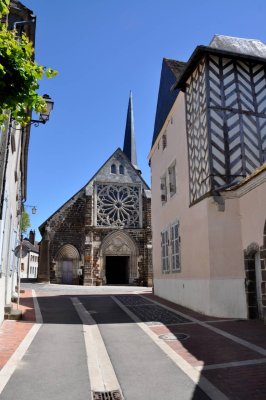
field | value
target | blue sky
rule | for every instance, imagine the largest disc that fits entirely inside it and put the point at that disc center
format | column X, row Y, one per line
column 102, row 50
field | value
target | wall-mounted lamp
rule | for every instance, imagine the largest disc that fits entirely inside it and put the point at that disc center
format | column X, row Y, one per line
column 33, row 208
column 44, row 116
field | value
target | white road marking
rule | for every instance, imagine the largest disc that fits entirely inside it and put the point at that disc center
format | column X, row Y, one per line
column 232, row 364
column 101, row 373
column 212, row 391
column 9, row 368
column 7, row 371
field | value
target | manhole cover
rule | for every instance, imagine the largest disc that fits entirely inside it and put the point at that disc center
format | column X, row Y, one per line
column 174, row 336
column 113, row 395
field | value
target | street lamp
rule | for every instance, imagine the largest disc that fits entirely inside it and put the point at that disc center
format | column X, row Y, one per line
column 33, row 208
column 44, row 115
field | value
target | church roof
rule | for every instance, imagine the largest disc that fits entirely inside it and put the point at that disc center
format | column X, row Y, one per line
column 129, row 139
column 133, row 173
column 171, row 70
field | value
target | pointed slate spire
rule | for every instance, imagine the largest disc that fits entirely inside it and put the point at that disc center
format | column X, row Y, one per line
column 129, row 140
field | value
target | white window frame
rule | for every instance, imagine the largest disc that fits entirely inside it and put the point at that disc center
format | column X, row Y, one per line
column 175, row 247
column 165, row 251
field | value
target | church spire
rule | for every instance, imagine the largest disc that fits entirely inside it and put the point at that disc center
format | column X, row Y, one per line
column 129, row 140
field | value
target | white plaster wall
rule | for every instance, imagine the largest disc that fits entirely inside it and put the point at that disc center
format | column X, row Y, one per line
column 193, row 227
column 216, row 297
column 10, row 222
column 191, row 293
column 2, row 298
column 253, row 215
column 211, row 279
column 226, row 249
column 228, row 298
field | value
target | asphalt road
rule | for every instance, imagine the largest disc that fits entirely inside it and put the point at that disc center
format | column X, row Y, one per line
column 55, row 365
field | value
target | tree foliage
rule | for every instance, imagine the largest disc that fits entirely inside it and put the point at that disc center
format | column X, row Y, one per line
column 25, row 222
column 19, row 75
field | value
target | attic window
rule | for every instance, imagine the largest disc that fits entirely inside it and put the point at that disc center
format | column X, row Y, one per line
column 113, row 169
column 164, row 141
column 121, row 170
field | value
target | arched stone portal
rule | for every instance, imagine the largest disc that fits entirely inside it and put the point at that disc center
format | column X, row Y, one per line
column 67, row 265
column 118, row 259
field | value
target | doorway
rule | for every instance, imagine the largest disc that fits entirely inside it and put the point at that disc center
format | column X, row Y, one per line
column 117, row 270
column 67, row 272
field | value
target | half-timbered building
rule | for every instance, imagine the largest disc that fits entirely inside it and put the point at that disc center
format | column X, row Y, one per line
column 209, row 180
column 102, row 235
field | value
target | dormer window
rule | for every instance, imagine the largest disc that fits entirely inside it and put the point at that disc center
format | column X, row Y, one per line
column 113, row 169
column 121, row 170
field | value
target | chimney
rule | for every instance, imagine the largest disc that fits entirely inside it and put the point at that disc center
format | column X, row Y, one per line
column 32, row 237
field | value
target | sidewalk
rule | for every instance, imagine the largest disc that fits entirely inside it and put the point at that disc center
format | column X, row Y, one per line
column 13, row 332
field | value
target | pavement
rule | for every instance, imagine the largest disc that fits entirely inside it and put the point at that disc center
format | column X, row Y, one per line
column 215, row 358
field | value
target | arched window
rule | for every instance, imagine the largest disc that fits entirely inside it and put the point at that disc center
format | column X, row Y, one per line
column 121, row 170
column 113, row 169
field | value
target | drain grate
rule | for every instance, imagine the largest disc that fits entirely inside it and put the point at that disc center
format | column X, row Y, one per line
column 113, row 395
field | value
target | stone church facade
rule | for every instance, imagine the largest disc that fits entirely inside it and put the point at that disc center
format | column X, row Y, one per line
column 102, row 235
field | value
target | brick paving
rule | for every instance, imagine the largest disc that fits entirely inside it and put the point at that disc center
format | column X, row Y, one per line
column 13, row 332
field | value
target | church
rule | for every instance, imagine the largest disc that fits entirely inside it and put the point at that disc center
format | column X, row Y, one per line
column 102, row 234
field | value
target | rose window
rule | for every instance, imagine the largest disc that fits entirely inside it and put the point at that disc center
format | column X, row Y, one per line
column 118, row 206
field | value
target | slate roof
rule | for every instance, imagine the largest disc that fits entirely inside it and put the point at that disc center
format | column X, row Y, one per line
column 238, row 48
column 129, row 140
column 171, row 71
column 34, row 248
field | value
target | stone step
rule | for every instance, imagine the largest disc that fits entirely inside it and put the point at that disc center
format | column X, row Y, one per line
column 14, row 315
column 8, row 308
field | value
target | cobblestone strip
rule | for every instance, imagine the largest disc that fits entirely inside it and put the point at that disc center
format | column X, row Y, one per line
column 212, row 391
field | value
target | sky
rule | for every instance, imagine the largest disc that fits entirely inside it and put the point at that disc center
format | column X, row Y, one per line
column 102, row 49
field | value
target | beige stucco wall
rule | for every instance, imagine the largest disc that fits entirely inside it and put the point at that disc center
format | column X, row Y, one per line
column 253, row 215
column 211, row 279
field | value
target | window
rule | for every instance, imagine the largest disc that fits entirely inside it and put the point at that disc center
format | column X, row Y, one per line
column 172, row 179
column 113, row 169
column 22, row 267
column 164, row 141
column 175, row 247
column 163, row 189
column 121, row 170
column 164, row 244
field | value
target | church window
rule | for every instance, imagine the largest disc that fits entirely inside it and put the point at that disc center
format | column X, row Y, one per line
column 118, row 206
column 121, row 170
column 113, row 169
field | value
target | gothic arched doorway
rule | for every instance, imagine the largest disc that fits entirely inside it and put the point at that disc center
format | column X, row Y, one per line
column 67, row 264
column 118, row 259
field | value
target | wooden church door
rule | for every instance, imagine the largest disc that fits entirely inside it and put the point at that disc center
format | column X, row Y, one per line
column 67, row 272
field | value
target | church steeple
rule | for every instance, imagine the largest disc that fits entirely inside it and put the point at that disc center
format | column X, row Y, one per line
column 129, row 140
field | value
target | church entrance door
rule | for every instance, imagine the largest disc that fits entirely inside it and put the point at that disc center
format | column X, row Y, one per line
column 67, row 272
column 117, row 270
